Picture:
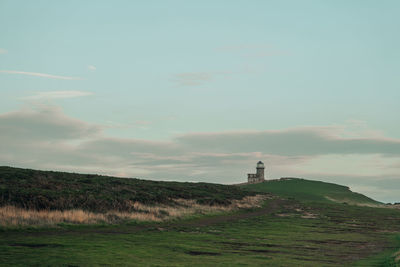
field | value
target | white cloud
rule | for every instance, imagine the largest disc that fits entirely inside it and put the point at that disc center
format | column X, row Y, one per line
column 58, row 94
column 253, row 51
column 198, row 78
column 46, row 138
column 243, row 47
column 350, row 165
column 91, row 67
column 143, row 123
column 43, row 123
column 290, row 142
column 192, row 78
column 3, row 51
column 37, row 74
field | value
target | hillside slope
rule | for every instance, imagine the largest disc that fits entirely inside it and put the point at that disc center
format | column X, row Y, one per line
column 33, row 189
column 308, row 190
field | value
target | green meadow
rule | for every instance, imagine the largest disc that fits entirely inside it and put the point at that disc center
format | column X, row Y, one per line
column 302, row 228
column 312, row 191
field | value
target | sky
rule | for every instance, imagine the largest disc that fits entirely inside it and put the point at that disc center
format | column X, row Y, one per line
column 202, row 90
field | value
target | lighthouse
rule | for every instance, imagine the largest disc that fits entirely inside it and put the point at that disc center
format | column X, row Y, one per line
column 260, row 170
column 257, row 177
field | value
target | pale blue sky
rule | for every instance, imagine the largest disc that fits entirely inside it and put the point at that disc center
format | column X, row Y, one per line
column 157, row 70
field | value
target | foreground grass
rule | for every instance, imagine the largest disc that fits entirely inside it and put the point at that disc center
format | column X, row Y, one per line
column 387, row 258
column 306, row 226
column 283, row 234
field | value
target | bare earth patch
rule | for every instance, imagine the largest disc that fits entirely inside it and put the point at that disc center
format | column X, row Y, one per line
column 309, row 215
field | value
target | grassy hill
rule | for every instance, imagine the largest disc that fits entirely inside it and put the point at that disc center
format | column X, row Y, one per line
column 302, row 228
column 33, row 189
column 307, row 190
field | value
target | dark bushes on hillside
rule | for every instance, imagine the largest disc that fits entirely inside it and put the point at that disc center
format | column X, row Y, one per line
column 32, row 189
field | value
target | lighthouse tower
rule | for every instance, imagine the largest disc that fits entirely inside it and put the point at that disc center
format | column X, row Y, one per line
column 257, row 177
column 260, row 170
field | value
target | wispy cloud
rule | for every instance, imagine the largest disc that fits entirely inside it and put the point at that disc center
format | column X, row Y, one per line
column 253, row 51
column 192, row 78
column 3, row 51
column 57, row 95
column 198, row 78
column 290, row 142
column 143, row 123
column 44, row 123
column 232, row 48
column 45, row 137
column 91, row 67
column 38, row 74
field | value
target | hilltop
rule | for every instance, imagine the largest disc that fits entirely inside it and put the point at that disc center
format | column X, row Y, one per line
column 311, row 191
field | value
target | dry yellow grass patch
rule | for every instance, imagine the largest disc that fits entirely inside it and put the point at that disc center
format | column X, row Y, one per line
column 13, row 216
column 397, row 257
column 351, row 202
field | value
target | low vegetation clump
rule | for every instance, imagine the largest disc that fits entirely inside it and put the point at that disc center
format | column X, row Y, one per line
column 48, row 190
column 14, row 216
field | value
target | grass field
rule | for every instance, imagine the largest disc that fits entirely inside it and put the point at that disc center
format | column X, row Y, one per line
column 282, row 233
column 298, row 227
column 312, row 191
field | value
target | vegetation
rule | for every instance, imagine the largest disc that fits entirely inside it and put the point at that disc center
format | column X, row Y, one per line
column 282, row 233
column 11, row 216
column 312, row 191
column 32, row 189
column 304, row 225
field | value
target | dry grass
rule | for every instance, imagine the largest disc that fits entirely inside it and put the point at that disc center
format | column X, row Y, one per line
column 351, row 202
column 13, row 216
column 397, row 257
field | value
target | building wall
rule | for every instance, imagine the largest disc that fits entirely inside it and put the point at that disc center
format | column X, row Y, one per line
column 254, row 178
column 260, row 173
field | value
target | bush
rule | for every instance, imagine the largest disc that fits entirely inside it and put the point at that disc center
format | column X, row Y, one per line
column 32, row 189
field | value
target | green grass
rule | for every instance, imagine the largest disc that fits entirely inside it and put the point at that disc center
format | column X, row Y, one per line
column 303, row 228
column 308, row 190
column 34, row 189
column 384, row 259
column 341, row 235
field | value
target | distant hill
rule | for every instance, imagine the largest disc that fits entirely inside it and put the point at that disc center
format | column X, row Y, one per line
column 308, row 190
column 33, row 189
